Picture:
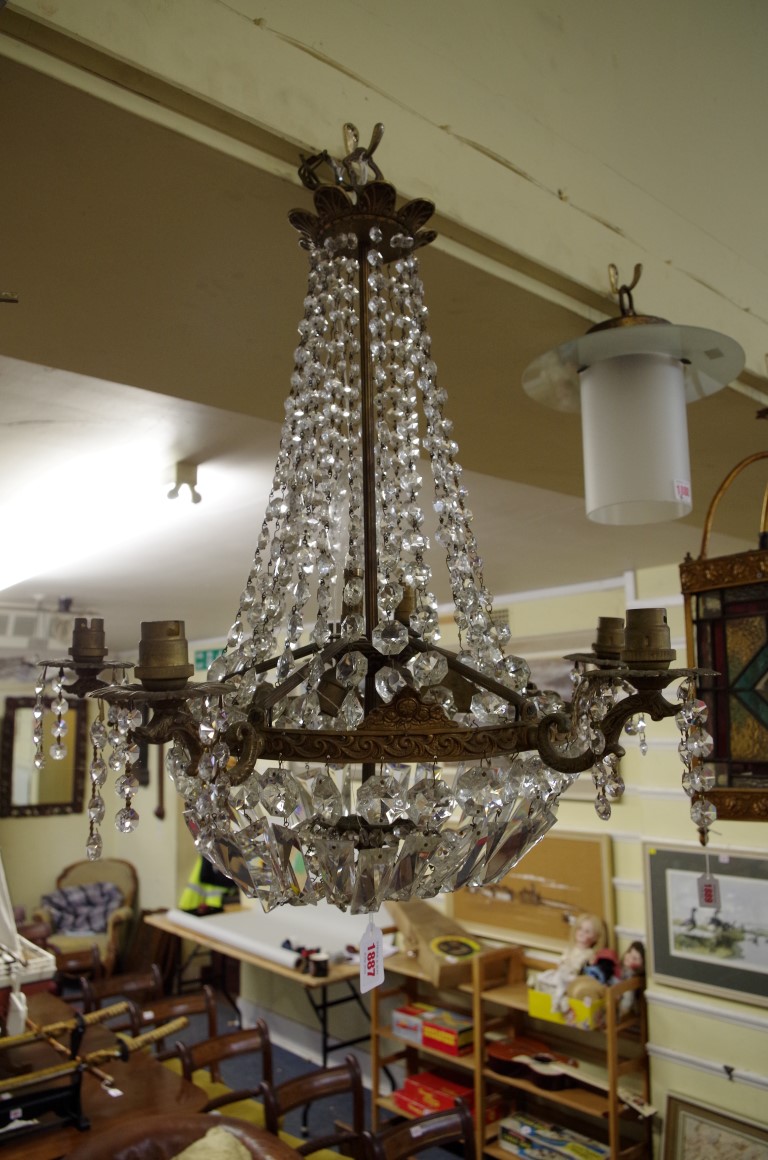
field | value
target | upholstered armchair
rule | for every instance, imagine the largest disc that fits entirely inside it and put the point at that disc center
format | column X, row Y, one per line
column 93, row 906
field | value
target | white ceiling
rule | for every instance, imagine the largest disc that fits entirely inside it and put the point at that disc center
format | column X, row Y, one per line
column 160, row 287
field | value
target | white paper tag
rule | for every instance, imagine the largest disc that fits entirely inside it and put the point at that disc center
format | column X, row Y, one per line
column 371, row 958
column 709, row 890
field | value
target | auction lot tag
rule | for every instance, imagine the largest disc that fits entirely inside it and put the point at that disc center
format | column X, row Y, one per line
column 371, row 958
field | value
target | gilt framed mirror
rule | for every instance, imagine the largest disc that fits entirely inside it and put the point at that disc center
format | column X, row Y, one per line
column 58, row 787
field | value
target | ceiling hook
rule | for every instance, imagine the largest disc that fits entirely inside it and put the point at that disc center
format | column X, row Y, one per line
column 624, row 293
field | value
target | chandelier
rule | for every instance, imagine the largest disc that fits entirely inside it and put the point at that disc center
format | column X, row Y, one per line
column 336, row 751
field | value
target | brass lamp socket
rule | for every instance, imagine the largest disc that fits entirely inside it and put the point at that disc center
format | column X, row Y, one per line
column 647, row 639
column 163, row 656
column 610, row 638
column 88, row 640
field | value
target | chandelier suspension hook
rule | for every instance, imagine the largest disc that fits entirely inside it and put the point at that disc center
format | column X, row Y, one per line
column 624, row 293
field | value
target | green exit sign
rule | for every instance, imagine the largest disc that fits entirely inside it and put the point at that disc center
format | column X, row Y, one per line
column 204, row 658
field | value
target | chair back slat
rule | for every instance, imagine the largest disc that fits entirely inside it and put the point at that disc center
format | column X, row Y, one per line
column 307, row 1089
column 398, row 1141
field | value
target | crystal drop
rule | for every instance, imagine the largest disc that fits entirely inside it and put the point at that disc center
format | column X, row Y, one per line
column 217, row 671
column 429, row 668
column 126, row 820
column 698, row 742
column 351, row 669
column 379, row 800
column 351, row 711
column 279, row 793
column 98, row 771
column 389, row 681
column 99, row 734
column 93, row 847
column 476, row 791
column 488, row 708
column 353, row 591
column 390, row 596
column 285, row 665
column 429, row 802
column 39, row 761
column 326, row 798
column 517, row 673
column 352, row 626
column 389, row 637
column 58, row 751
column 96, row 808
column 602, row 807
column 37, row 712
column 703, row 814
column 321, row 633
column 691, row 713
column 127, row 785
column 440, row 695
column 60, row 728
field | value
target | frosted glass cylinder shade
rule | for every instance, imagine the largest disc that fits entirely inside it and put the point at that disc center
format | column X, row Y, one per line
column 635, row 438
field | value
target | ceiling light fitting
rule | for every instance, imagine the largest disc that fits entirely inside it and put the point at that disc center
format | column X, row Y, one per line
column 632, row 377
column 336, row 750
column 185, row 475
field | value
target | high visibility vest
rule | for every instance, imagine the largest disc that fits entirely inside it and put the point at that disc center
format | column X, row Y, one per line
column 201, row 893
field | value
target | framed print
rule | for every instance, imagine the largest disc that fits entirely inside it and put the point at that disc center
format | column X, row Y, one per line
column 712, row 939
column 565, row 875
column 692, row 1132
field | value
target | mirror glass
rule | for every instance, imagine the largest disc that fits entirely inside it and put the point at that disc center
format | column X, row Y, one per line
column 57, row 788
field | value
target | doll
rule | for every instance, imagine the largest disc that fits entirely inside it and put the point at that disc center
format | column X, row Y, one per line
column 587, row 934
column 632, row 966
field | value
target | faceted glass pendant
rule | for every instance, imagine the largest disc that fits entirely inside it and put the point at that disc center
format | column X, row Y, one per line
column 389, row 637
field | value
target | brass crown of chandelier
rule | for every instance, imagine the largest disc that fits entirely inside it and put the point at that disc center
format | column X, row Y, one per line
column 336, row 751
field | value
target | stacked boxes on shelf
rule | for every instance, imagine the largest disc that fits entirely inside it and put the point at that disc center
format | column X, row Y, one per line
column 450, row 1032
column 431, row 1091
column 528, row 1137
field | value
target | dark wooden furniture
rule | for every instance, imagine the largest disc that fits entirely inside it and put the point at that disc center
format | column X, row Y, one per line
column 146, row 1088
column 305, row 1090
column 209, row 1053
column 155, row 1012
column 435, row 1131
column 161, row 1137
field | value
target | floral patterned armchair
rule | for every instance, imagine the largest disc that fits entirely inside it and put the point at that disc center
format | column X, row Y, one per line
column 93, row 906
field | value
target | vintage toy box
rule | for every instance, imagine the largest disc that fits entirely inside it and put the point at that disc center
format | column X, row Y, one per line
column 437, row 1092
column 526, row 1136
column 587, row 1014
column 407, row 1021
column 449, row 1031
column 428, row 1091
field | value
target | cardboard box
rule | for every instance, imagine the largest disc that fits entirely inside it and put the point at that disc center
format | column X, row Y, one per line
column 427, row 1092
column 526, row 1135
column 437, row 1092
column 586, row 1014
column 451, row 1032
column 407, row 1021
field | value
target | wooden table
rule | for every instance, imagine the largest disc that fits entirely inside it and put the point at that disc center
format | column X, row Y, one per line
column 316, row 989
column 146, row 1088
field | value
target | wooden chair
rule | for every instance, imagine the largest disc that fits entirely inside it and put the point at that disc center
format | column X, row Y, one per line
column 305, row 1090
column 136, row 986
column 210, row 1053
column 405, row 1138
column 154, row 1012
